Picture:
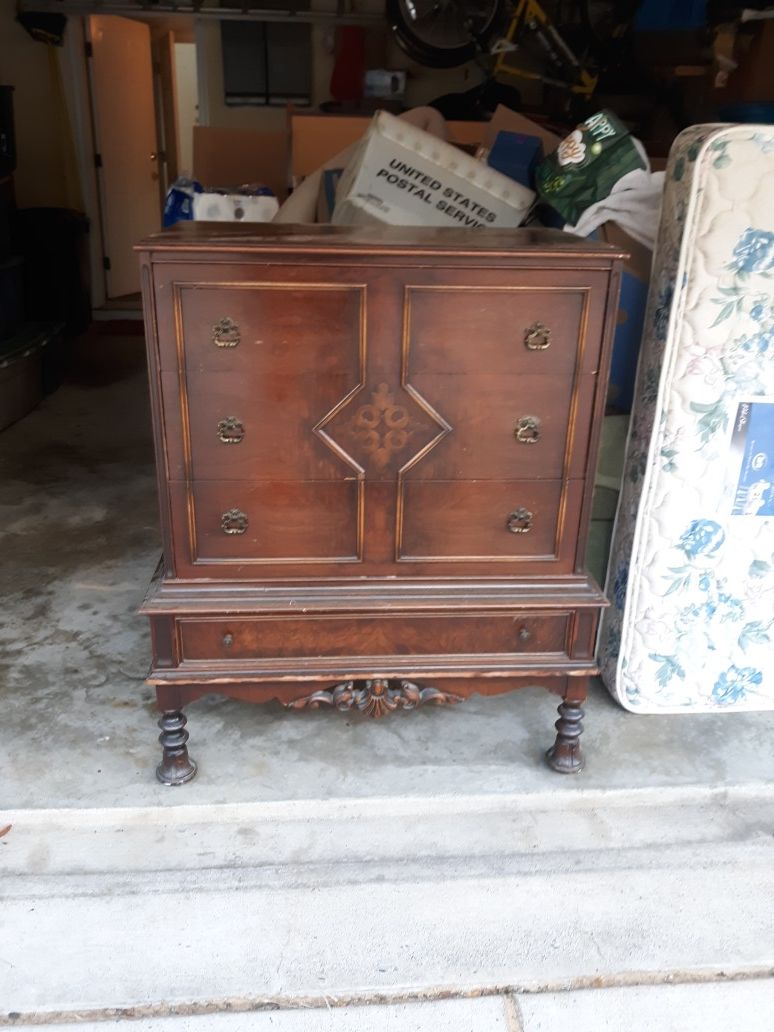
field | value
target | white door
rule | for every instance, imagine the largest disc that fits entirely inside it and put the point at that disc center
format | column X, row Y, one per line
column 125, row 140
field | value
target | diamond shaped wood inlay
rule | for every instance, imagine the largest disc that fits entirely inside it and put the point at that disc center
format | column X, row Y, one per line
column 383, row 430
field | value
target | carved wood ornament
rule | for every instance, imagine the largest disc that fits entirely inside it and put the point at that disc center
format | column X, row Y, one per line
column 375, row 698
column 381, row 426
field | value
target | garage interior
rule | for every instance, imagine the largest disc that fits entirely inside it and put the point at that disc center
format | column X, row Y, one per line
column 423, row 871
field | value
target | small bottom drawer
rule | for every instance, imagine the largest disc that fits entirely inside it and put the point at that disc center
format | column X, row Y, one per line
column 272, row 638
column 502, row 520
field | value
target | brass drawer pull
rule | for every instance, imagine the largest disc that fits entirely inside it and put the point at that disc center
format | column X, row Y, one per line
column 537, row 337
column 233, row 522
column 225, row 333
column 231, row 430
column 525, row 634
column 519, row 521
column 527, row 430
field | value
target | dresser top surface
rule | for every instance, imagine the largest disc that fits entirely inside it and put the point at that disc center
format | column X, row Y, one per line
column 525, row 242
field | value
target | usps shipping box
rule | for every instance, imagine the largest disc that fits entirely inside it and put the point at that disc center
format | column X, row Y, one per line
column 403, row 176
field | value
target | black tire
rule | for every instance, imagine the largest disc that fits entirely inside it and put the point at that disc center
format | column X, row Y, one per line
column 443, row 33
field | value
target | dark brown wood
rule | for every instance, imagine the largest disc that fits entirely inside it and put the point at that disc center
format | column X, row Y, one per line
column 176, row 766
column 390, row 635
column 566, row 755
column 375, row 698
column 375, row 453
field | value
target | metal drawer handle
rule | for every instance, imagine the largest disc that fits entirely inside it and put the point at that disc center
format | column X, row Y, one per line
column 519, row 521
column 225, row 333
column 527, row 430
column 537, row 337
column 231, row 430
column 233, row 522
column 525, row 634
column 228, row 640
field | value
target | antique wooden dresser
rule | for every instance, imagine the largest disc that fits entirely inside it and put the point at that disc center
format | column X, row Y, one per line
column 375, row 454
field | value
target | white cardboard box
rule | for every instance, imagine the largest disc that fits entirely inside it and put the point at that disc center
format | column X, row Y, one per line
column 404, row 176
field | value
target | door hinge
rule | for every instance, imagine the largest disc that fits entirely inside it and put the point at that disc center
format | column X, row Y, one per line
column 106, row 264
column 89, row 48
column 97, row 161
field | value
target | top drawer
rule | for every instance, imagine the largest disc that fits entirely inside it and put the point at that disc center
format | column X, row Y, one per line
column 270, row 329
column 461, row 329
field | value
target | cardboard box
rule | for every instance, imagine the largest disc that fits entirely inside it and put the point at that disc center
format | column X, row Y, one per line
column 403, row 176
column 517, row 156
column 326, row 199
column 506, row 121
column 315, row 139
column 231, row 157
column 631, row 316
column 752, row 81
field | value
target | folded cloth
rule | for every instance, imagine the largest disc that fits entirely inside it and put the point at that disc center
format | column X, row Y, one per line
column 633, row 203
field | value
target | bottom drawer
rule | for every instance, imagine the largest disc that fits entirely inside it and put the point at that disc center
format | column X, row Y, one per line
column 496, row 520
column 265, row 638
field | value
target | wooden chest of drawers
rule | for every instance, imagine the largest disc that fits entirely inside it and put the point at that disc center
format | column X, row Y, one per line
column 375, row 454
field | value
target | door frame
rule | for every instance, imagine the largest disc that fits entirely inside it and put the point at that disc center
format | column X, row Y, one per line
column 74, row 66
column 73, row 63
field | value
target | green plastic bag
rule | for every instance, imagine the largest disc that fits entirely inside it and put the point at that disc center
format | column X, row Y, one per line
column 586, row 165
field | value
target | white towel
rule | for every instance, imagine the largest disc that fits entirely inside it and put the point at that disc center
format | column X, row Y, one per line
column 633, row 204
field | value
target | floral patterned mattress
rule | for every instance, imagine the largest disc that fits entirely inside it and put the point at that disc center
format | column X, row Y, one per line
column 691, row 574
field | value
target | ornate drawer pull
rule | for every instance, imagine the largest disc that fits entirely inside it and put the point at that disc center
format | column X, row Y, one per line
column 519, row 521
column 228, row 640
column 225, row 333
column 527, row 430
column 231, row 430
column 537, row 337
column 233, row 522
column 525, row 634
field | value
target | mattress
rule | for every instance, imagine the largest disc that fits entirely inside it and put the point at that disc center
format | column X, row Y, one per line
column 691, row 572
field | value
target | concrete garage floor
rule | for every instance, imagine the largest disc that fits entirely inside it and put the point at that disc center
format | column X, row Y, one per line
column 422, row 872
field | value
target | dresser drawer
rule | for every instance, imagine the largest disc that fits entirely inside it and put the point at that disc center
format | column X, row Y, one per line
column 242, row 427
column 526, row 427
column 271, row 328
column 245, row 522
column 255, row 638
column 509, row 330
column 489, row 520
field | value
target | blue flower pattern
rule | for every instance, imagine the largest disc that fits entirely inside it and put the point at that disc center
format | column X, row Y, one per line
column 734, row 684
column 689, row 627
column 754, row 252
column 703, row 537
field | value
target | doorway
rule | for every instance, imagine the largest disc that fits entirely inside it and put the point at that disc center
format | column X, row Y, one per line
column 126, row 143
column 143, row 91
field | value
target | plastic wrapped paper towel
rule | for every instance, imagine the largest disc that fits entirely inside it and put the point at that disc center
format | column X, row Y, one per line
column 219, row 207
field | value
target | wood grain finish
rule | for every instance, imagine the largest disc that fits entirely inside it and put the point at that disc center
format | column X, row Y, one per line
column 464, row 521
column 286, row 521
column 375, row 454
column 229, row 639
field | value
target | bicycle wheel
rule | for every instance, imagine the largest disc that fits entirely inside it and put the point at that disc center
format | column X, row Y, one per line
column 443, row 33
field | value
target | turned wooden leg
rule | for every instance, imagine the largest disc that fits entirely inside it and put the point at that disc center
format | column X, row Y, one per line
column 566, row 755
column 176, row 766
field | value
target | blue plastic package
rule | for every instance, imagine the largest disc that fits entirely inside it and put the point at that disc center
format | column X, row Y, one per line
column 178, row 206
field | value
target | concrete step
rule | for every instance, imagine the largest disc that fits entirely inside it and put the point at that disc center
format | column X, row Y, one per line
column 743, row 1006
column 516, row 827
column 362, row 901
